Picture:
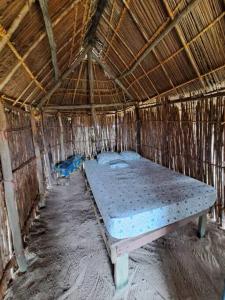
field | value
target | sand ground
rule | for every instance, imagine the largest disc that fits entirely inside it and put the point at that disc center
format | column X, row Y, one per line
column 68, row 259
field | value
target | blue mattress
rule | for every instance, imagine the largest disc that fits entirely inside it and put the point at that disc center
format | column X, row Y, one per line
column 145, row 196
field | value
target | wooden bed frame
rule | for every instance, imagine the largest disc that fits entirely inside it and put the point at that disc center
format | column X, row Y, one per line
column 119, row 250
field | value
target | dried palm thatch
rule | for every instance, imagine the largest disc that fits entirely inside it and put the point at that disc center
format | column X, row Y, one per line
column 156, row 48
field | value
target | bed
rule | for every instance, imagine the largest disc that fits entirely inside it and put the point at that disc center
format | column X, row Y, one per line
column 142, row 202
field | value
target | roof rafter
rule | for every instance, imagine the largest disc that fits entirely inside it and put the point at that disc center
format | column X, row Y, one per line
column 161, row 36
column 35, row 44
column 65, row 74
column 182, row 40
column 112, row 76
column 5, row 39
column 3, row 33
column 51, row 39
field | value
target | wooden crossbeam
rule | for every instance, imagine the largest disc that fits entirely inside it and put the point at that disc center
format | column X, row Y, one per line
column 161, row 36
column 15, row 24
column 87, row 106
column 51, row 39
column 64, row 76
column 112, row 76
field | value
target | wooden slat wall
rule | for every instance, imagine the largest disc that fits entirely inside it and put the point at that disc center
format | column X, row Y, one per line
column 188, row 137
column 23, row 161
column 126, row 138
column 24, row 173
column 52, row 136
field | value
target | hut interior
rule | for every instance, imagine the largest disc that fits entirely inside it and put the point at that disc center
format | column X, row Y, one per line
column 84, row 77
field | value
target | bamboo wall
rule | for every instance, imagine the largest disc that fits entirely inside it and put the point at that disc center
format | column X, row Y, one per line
column 23, row 160
column 188, row 137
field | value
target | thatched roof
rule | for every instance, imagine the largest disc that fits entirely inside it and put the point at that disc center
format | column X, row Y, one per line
column 150, row 48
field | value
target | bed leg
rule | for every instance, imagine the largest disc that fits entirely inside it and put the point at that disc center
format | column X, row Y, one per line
column 121, row 271
column 202, row 225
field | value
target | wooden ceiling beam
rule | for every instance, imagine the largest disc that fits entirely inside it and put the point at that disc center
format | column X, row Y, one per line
column 184, row 44
column 51, row 39
column 112, row 76
column 15, row 24
column 87, row 106
column 91, row 34
column 161, row 36
column 65, row 74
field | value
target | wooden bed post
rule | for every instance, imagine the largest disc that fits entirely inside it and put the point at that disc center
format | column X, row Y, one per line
column 10, row 196
column 202, row 225
column 138, row 130
column 48, row 173
column 63, row 156
column 39, row 168
column 121, row 271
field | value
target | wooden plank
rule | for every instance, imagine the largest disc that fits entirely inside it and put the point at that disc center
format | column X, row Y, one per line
column 10, row 195
column 130, row 244
column 161, row 36
column 15, row 24
column 51, row 39
column 40, row 175
column 63, row 155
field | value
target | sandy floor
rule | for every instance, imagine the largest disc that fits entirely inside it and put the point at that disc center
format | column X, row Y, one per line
column 68, row 260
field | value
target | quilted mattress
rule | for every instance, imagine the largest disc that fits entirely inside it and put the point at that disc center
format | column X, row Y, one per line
column 145, row 196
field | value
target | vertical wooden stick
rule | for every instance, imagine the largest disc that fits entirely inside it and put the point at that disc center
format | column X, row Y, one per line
column 48, row 173
column 138, row 130
column 91, row 91
column 63, row 155
column 10, row 197
column 40, row 175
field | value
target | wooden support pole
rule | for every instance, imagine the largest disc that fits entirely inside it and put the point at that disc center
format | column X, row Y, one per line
column 138, row 130
column 62, row 149
column 161, row 36
column 91, row 94
column 48, row 173
column 10, row 196
column 40, row 175
column 16, row 23
column 51, row 40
